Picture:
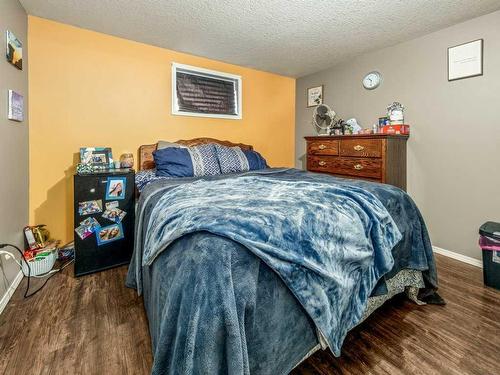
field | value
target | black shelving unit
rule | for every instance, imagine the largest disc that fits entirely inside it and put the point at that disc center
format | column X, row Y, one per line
column 89, row 255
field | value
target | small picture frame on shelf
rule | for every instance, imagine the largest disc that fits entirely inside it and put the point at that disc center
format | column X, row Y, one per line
column 465, row 60
column 314, row 96
column 97, row 157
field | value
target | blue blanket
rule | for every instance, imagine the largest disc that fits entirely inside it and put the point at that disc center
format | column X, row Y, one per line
column 329, row 239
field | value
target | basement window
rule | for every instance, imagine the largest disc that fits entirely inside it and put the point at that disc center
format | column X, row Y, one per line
column 205, row 93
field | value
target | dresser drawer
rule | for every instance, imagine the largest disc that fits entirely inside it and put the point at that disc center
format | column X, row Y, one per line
column 321, row 163
column 364, row 148
column 368, row 168
column 326, row 147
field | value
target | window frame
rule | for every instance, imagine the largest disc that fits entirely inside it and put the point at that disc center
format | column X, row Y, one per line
column 212, row 74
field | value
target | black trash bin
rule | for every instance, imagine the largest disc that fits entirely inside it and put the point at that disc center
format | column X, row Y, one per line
column 489, row 240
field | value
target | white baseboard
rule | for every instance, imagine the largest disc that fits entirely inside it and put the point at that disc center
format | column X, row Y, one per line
column 457, row 256
column 12, row 288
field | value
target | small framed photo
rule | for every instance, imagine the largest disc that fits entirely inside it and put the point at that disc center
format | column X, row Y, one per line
column 90, row 223
column 83, row 232
column 114, row 214
column 111, row 205
column 89, row 207
column 109, row 234
column 97, row 157
column 314, row 96
column 14, row 52
column 115, row 188
column 16, row 106
column 465, row 60
column 87, row 227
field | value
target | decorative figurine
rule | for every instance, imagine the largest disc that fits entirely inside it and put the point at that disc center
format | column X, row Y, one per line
column 338, row 128
column 352, row 126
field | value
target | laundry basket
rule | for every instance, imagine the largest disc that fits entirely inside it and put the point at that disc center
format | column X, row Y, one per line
column 40, row 266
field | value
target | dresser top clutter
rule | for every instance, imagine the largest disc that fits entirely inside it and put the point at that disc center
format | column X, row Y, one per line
column 372, row 157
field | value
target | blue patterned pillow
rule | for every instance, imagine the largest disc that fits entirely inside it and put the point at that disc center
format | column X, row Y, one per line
column 142, row 178
column 186, row 162
column 234, row 159
column 231, row 159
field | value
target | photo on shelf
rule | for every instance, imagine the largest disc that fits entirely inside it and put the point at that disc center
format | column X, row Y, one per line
column 109, row 234
column 115, row 188
column 98, row 157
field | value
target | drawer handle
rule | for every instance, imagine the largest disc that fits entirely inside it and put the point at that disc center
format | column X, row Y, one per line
column 322, row 163
column 359, row 148
column 321, row 147
column 358, row 167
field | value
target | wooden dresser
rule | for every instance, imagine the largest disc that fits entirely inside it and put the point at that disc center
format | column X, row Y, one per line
column 380, row 158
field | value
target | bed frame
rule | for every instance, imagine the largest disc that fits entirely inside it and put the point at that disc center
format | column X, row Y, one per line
column 146, row 160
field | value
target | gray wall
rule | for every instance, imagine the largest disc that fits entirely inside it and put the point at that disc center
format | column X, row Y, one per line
column 454, row 147
column 13, row 142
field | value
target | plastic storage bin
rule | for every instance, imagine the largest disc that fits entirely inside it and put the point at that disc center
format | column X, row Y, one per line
column 489, row 241
column 41, row 266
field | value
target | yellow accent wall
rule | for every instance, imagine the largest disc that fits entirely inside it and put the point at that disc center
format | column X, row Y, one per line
column 90, row 89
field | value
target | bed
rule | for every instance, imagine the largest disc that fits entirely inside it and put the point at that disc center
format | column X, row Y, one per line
column 253, row 272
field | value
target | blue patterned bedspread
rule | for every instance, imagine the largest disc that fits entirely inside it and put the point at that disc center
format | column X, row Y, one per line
column 330, row 240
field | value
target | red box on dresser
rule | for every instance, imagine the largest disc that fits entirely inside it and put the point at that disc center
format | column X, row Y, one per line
column 396, row 129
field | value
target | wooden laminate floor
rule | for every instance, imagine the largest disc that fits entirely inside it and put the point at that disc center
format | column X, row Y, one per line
column 94, row 325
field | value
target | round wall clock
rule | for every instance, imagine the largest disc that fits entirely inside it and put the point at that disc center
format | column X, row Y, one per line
column 372, row 80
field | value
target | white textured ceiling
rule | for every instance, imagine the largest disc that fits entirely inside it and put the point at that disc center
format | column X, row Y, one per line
column 289, row 37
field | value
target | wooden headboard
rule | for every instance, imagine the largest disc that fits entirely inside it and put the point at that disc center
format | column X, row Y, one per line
column 146, row 160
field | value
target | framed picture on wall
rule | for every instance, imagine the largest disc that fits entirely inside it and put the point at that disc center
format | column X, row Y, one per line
column 314, row 96
column 14, row 51
column 15, row 106
column 465, row 60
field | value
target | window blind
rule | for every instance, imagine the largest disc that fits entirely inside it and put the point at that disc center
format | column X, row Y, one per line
column 197, row 93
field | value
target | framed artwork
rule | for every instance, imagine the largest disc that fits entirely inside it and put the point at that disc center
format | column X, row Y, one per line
column 14, row 52
column 16, row 106
column 97, row 157
column 465, row 60
column 115, row 188
column 314, row 96
column 108, row 234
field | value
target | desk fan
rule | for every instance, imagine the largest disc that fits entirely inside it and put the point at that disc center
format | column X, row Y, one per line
column 325, row 120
